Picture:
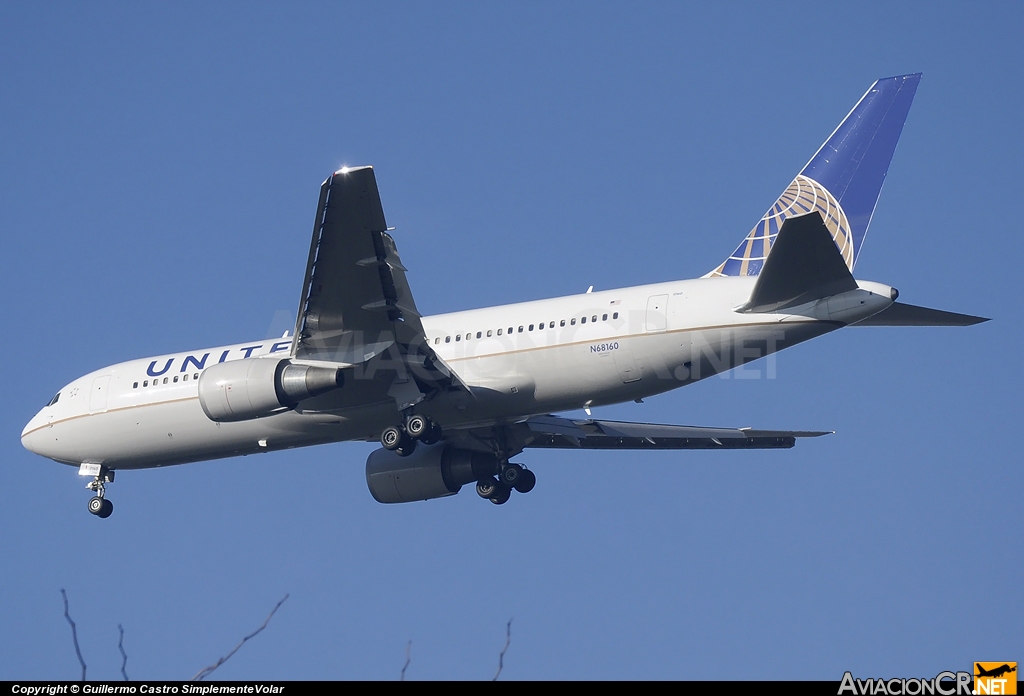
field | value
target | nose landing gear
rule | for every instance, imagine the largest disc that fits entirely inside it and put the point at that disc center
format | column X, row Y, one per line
column 98, row 504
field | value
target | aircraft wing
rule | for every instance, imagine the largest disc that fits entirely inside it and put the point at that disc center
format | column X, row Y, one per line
column 555, row 432
column 355, row 296
column 356, row 304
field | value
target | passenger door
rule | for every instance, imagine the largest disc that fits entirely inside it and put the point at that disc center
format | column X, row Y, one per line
column 98, row 395
column 657, row 313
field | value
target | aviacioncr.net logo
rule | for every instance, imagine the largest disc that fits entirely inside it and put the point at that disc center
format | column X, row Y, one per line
column 943, row 684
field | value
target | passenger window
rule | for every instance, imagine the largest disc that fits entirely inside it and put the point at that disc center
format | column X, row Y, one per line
column 499, row 332
column 615, row 316
column 541, row 327
column 175, row 379
column 520, row 329
column 583, row 320
column 458, row 337
column 488, row 333
column 437, row 340
column 510, row 329
column 145, row 382
column 573, row 322
column 478, row 334
column 562, row 323
column 185, row 378
column 604, row 317
column 594, row 318
column 447, row 339
column 195, row 376
column 135, row 385
column 531, row 327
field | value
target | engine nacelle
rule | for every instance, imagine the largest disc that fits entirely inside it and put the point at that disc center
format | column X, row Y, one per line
column 431, row 471
column 245, row 389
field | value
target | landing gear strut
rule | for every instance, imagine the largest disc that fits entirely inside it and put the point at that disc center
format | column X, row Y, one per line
column 510, row 477
column 98, row 504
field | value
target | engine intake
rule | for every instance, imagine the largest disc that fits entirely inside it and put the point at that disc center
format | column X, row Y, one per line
column 246, row 389
column 431, row 471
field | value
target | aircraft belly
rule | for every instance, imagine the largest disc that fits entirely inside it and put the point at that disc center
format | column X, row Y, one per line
column 551, row 378
column 570, row 377
column 178, row 432
column 712, row 351
column 569, row 374
column 612, row 370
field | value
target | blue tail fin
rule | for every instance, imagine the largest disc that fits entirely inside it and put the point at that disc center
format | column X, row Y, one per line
column 842, row 181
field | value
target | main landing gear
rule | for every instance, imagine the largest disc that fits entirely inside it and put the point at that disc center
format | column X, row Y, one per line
column 98, row 504
column 417, row 428
column 511, row 477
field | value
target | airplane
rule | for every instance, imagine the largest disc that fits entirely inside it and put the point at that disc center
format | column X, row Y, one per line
column 995, row 672
column 452, row 398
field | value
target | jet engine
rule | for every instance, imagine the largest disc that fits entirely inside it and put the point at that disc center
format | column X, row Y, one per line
column 245, row 389
column 431, row 471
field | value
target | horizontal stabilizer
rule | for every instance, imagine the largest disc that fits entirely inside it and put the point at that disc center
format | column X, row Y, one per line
column 803, row 265
column 899, row 314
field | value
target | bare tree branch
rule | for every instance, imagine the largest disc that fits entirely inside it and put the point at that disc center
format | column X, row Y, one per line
column 408, row 647
column 120, row 646
column 74, row 631
column 501, row 657
column 206, row 671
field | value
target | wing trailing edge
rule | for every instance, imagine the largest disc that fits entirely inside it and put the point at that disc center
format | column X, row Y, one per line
column 555, row 432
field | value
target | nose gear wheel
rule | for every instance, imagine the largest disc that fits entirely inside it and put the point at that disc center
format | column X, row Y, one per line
column 98, row 504
column 101, row 507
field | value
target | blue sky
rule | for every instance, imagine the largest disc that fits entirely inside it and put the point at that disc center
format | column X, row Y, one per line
column 159, row 170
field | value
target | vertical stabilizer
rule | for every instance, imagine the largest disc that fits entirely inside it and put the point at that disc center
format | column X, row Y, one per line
column 842, row 181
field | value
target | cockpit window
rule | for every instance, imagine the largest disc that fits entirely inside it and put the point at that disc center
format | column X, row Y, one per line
column 54, row 399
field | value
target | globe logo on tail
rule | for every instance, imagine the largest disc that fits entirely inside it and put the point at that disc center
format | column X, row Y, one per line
column 804, row 195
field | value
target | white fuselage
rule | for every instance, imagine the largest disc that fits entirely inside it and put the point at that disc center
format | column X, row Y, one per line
column 518, row 360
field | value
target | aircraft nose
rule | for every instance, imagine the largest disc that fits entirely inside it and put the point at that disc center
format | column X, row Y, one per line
column 33, row 436
column 29, row 437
